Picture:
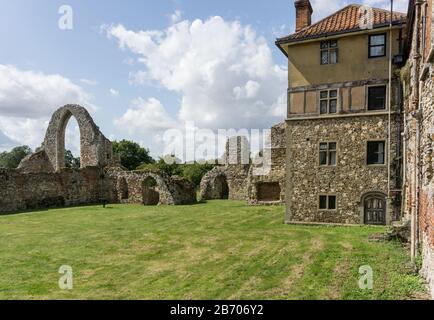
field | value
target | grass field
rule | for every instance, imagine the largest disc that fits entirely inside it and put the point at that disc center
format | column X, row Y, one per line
column 215, row 250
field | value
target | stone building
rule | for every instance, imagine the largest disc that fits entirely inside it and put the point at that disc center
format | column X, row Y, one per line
column 418, row 83
column 237, row 179
column 42, row 181
column 344, row 117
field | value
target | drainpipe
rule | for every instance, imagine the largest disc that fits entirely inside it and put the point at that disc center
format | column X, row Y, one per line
column 389, row 133
column 416, row 116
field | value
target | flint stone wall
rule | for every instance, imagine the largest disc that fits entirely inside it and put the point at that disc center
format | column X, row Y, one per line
column 172, row 190
column 426, row 201
column 350, row 180
column 27, row 191
column 274, row 157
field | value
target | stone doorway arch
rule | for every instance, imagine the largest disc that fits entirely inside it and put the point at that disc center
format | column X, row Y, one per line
column 374, row 208
column 150, row 192
column 221, row 187
column 95, row 148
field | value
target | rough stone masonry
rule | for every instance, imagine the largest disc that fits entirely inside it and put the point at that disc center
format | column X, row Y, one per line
column 42, row 181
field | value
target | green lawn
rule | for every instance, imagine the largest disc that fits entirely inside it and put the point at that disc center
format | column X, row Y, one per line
column 216, row 250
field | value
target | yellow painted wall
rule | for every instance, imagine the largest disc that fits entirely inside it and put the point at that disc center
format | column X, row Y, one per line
column 304, row 66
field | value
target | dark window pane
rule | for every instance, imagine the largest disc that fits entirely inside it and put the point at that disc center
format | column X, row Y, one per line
column 323, row 202
column 333, row 43
column 323, row 158
column 324, row 44
column 323, row 107
column 323, row 146
column 376, row 152
column 324, row 94
column 333, row 93
column 332, row 158
column 332, row 203
column 332, row 146
column 333, row 106
column 377, row 98
column 324, row 57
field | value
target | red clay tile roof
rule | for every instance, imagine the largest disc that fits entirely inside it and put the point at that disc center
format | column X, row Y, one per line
column 342, row 21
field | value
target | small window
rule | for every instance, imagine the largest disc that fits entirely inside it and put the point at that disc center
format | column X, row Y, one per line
column 328, row 154
column 328, row 101
column 377, row 45
column 376, row 152
column 377, row 98
column 327, row 203
column 329, row 52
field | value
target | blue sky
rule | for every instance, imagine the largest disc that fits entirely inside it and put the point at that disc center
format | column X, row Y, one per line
column 142, row 67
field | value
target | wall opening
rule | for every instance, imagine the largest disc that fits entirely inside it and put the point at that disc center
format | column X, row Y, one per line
column 70, row 147
column 268, row 192
column 221, row 188
column 375, row 209
column 123, row 189
column 150, row 194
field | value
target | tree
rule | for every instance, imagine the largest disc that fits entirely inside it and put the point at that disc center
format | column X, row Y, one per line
column 170, row 165
column 12, row 159
column 195, row 172
column 132, row 154
column 70, row 161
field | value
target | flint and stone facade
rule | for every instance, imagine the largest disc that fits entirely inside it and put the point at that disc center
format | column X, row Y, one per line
column 347, row 189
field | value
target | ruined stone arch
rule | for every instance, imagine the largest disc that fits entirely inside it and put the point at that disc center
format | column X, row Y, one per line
column 95, row 148
column 215, row 185
column 150, row 192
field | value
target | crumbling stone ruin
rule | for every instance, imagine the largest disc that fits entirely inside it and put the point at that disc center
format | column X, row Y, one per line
column 418, row 82
column 237, row 179
column 270, row 188
column 42, row 181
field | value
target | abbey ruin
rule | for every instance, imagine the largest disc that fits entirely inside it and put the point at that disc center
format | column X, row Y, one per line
column 42, row 181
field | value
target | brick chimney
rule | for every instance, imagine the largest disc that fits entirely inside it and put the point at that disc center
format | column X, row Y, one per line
column 303, row 12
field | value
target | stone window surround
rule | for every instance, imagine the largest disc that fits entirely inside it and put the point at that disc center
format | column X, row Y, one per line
column 367, row 97
column 328, row 151
column 328, row 195
column 386, row 153
column 329, row 99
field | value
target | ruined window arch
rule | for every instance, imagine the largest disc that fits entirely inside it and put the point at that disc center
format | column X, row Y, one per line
column 221, row 187
column 150, row 192
column 123, row 189
column 72, row 143
column 95, row 148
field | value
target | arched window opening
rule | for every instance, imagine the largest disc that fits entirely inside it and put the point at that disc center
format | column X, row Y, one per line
column 150, row 192
column 72, row 146
column 123, row 189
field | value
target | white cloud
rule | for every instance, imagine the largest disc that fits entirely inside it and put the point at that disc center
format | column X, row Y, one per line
column 114, row 93
column 175, row 17
column 322, row 8
column 145, row 116
column 398, row 5
column 21, row 131
column 89, row 82
column 27, row 100
column 31, row 94
column 223, row 71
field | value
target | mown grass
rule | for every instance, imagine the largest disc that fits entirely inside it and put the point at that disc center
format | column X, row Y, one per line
column 215, row 250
